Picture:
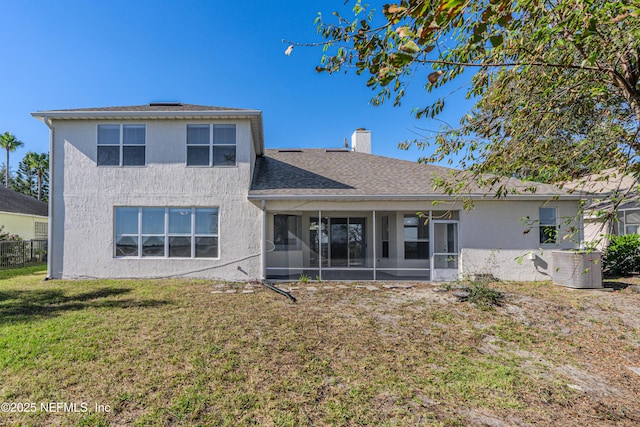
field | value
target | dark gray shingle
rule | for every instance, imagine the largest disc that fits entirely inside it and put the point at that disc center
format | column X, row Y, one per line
column 319, row 172
column 14, row 202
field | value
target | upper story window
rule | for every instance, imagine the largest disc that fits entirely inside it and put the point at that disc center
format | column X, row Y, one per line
column 121, row 145
column 211, row 145
column 548, row 226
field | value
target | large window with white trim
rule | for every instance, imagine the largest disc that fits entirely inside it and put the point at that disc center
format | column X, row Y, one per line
column 121, row 145
column 166, row 232
column 211, row 145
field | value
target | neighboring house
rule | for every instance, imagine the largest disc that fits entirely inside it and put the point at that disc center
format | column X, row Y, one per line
column 171, row 189
column 23, row 215
column 609, row 192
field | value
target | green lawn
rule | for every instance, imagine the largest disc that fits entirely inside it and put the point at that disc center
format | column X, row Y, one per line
column 177, row 352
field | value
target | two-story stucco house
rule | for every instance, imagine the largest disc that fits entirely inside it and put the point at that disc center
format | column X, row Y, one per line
column 170, row 189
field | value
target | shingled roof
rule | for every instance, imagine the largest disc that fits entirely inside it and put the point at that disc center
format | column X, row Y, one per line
column 14, row 202
column 344, row 174
column 155, row 106
column 162, row 111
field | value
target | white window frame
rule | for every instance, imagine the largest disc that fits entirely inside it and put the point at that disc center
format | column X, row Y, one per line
column 167, row 234
column 121, row 145
column 623, row 224
column 418, row 239
column 212, row 144
column 555, row 225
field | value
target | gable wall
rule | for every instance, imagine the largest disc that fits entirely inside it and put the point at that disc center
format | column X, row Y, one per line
column 85, row 196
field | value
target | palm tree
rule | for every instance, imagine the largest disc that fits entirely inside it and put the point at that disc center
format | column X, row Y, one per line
column 38, row 163
column 9, row 143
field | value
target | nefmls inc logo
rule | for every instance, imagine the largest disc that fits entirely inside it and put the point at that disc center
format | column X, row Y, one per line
column 64, row 407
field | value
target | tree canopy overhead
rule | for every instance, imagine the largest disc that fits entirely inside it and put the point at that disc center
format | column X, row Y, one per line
column 556, row 81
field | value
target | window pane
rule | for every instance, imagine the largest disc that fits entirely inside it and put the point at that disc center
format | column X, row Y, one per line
column 206, row 247
column 385, row 249
column 416, row 250
column 410, row 233
column 224, row 134
column 179, row 221
column 108, row 156
column 126, row 246
column 152, row 246
column 385, row 228
column 126, row 221
column 224, row 156
column 108, row 134
column 410, row 220
column 133, row 156
column 207, row 221
column 547, row 216
column 180, row 247
column 197, row 156
column 633, row 217
column 133, row 134
column 198, row 134
column 631, row 229
column 152, row 220
column 548, row 234
column 423, row 229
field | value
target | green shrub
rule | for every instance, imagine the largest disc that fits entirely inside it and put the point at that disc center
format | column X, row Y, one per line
column 622, row 256
column 481, row 294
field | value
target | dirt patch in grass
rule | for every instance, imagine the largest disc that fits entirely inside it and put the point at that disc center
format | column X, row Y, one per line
column 175, row 352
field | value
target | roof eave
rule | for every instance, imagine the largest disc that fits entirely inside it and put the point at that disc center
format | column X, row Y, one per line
column 425, row 197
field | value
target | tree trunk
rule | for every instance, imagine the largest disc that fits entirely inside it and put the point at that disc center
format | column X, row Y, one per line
column 39, row 184
column 6, row 174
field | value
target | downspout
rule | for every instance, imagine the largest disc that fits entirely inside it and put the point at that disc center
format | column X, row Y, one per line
column 50, row 228
column 375, row 244
column 263, row 235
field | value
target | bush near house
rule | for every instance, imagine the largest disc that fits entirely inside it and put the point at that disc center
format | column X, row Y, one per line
column 5, row 236
column 622, row 256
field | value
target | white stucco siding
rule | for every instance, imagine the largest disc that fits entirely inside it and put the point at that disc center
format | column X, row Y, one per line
column 86, row 195
column 494, row 239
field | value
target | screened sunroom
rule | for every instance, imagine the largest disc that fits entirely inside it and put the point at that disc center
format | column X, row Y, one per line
column 362, row 245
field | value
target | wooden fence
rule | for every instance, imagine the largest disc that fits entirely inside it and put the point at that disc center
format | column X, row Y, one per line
column 22, row 253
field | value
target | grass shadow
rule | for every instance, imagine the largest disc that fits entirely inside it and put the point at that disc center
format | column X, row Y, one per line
column 25, row 306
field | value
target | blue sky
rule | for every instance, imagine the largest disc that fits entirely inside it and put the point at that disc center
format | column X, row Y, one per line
column 82, row 53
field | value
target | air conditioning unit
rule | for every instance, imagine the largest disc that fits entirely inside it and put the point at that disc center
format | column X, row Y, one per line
column 577, row 269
